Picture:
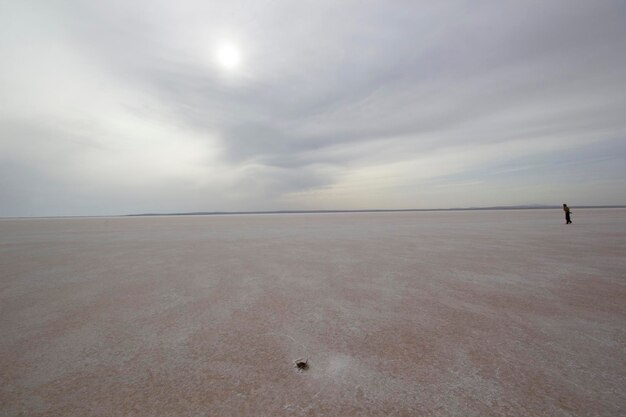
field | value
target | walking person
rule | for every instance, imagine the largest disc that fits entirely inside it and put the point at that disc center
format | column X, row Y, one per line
column 567, row 211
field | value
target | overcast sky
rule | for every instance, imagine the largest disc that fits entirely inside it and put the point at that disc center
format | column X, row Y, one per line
column 115, row 107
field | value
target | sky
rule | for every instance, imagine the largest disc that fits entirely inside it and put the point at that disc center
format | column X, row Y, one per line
column 154, row 106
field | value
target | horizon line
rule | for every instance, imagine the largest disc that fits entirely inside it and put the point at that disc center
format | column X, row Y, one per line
column 330, row 211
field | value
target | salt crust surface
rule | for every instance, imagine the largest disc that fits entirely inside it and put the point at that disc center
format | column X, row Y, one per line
column 482, row 313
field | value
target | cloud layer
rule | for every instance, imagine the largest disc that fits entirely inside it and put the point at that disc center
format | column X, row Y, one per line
column 116, row 107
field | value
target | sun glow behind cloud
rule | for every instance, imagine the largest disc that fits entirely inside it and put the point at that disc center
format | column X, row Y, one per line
column 228, row 56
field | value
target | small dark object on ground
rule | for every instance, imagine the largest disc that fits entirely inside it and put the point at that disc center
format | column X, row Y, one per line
column 301, row 364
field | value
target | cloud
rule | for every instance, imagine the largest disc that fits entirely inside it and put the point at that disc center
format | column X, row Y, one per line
column 120, row 107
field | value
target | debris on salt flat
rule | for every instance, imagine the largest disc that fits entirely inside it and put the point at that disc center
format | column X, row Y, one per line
column 301, row 364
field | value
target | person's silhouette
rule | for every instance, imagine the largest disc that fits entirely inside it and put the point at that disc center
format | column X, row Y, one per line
column 567, row 211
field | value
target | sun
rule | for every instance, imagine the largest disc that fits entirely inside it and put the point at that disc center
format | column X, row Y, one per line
column 228, row 56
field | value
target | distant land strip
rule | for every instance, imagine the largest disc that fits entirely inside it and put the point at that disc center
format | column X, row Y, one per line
column 222, row 213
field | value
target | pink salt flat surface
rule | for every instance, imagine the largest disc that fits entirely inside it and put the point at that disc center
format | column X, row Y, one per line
column 484, row 313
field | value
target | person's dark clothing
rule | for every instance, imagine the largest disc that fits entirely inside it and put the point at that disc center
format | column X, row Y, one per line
column 566, row 209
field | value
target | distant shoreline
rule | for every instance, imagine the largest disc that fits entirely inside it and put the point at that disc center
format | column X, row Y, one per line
column 218, row 213
column 232, row 213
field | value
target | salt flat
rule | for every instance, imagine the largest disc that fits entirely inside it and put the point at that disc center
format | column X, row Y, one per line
column 481, row 313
